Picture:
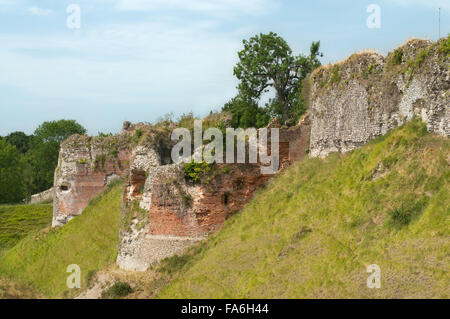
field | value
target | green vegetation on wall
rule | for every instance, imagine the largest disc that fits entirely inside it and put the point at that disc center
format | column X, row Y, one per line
column 195, row 171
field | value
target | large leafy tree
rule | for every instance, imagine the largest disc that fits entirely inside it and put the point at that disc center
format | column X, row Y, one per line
column 20, row 140
column 58, row 131
column 11, row 186
column 43, row 154
column 267, row 62
column 27, row 163
column 246, row 113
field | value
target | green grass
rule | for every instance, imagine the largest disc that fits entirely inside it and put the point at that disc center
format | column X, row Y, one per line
column 19, row 220
column 314, row 230
column 90, row 241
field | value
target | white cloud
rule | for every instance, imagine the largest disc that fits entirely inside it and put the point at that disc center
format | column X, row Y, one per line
column 167, row 66
column 39, row 11
column 212, row 7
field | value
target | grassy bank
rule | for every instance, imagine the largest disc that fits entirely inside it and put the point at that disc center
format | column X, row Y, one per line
column 314, row 230
column 90, row 241
column 18, row 221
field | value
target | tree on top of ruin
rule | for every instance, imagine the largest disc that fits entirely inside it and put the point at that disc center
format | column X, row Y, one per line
column 268, row 62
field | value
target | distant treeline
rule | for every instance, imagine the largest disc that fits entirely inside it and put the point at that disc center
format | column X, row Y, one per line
column 28, row 162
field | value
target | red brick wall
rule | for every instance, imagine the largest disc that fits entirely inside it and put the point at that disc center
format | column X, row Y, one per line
column 214, row 203
column 87, row 184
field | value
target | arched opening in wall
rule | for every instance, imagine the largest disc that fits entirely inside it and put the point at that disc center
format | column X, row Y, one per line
column 137, row 181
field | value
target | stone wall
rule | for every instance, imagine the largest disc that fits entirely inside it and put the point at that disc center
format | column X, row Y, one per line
column 172, row 213
column 85, row 166
column 367, row 95
column 164, row 212
column 42, row 197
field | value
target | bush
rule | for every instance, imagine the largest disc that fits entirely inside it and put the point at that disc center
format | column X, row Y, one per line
column 100, row 160
column 194, row 171
column 398, row 57
column 445, row 46
column 335, row 77
column 118, row 290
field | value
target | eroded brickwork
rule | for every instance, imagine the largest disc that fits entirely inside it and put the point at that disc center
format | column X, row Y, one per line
column 171, row 213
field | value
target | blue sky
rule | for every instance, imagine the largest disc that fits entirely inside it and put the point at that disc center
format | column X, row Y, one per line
column 137, row 60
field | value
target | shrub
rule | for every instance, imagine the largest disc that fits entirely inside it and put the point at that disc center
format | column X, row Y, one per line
column 335, row 78
column 403, row 215
column 100, row 161
column 400, row 217
column 187, row 199
column 194, row 171
column 118, row 290
column 445, row 46
column 398, row 57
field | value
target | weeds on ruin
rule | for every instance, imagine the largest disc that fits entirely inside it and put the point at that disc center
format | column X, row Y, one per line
column 397, row 58
column 194, row 172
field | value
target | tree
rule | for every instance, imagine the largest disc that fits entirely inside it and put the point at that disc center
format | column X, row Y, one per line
column 246, row 113
column 44, row 151
column 58, row 131
column 20, row 140
column 11, row 186
column 267, row 62
column 42, row 159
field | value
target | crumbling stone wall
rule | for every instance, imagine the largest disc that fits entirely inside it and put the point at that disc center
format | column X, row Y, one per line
column 171, row 213
column 85, row 166
column 367, row 95
column 163, row 211
column 43, row 196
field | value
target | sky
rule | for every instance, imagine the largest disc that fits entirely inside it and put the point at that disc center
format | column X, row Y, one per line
column 138, row 60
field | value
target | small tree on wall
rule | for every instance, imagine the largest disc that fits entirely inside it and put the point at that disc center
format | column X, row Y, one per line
column 267, row 62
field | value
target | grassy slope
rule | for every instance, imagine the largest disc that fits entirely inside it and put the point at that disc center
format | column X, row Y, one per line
column 90, row 240
column 19, row 220
column 313, row 231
